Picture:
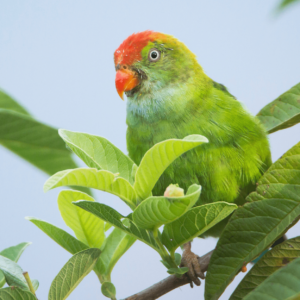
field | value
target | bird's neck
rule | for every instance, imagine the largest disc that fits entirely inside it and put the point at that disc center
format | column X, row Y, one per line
column 170, row 102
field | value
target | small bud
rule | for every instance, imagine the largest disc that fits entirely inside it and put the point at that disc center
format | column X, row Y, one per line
column 244, row 269
column 173, row 190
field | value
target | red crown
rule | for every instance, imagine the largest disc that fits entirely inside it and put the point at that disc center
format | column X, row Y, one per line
column 130, row 50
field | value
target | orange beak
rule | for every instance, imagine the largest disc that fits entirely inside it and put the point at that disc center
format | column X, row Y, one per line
column 126, row 80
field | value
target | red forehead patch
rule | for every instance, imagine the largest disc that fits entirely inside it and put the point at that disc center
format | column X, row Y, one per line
column 130, row 50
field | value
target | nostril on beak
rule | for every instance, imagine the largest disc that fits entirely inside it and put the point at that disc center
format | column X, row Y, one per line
column 118, row 67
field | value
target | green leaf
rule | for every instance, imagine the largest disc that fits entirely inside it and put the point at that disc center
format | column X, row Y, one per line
column 166, row 264
column 177, row 259
column 117, row 243
column 108, row 290
column 13, row 253
column 72, row 273
column 14, row 293
column 35, row 284
column 92, row 178
column 158, row 158
column 64, row 239
column 179, row 271
column 283, row 112
column 9, row 103
column 37, row 143
column 272, row 261
column 111, row 216
column 97, row 152
column 107, row 226
column 61, row 237
column 285, row 3
column 87, row 228
column 282, row 285
column 156, row 211
column 255, row 226
column 194, row 223
column 13, row 273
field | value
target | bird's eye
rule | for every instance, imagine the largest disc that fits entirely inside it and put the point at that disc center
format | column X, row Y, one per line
column 154, row 55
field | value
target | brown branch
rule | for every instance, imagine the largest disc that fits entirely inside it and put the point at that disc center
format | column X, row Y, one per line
column 168, row 284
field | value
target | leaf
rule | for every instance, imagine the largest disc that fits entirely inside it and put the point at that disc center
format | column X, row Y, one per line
column 97, row 152
column 285, row 3
column 37, row 143
column 13, row 253
column 282, row 285
column 9, row 103
column 158, row 158
column 111, row 216
column 13, row 273
column 35, row 284
column 272, row 261
column 283, row 112
column 179, row 271
column 61, row 237
column 255, row 226
column 156, row 211
column 108, row 290
column 87, row 228
column 177, row 259
column 194, row 223
column 117, row 243
column 72, row 273
column 92, row 178
column 14, row 293
column 64, row 239
column 107, row 226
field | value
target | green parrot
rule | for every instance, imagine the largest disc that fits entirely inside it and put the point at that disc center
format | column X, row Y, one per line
column 170, row 96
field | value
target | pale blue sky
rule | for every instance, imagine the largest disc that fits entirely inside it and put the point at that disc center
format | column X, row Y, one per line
column 56, row 58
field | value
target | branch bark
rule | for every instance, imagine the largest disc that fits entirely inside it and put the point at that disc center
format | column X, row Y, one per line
column 168, row 284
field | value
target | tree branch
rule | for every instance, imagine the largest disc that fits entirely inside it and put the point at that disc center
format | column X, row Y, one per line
column 170, row 283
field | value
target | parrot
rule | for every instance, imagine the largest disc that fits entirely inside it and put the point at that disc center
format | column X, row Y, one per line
column 169, row 96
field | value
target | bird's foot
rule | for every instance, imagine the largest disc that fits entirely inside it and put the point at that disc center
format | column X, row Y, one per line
column 190, row 260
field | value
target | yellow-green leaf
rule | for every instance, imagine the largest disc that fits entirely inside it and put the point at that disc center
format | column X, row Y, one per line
column 156, row 211
column 158, row 158
column 97, row 152
column 87, row 228
column 92, row 178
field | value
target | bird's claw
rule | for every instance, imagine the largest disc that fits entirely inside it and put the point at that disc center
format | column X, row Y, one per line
column 190, row 260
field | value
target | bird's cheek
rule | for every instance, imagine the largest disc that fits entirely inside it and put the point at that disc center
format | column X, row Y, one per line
column 126, row 80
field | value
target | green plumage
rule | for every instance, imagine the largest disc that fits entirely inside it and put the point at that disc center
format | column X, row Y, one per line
column 177, row 99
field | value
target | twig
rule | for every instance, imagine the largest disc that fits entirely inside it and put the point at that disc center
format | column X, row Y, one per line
column 28, row 280
column 168, row 284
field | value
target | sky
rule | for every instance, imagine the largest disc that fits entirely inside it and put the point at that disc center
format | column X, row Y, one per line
column 56, row 59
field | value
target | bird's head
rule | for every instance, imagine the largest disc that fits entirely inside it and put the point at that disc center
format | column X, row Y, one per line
column 149, row 61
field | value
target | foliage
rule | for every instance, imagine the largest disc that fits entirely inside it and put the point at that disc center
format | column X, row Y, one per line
column 283, row 112
column 12, row 274
column 72, row 273
column 272, row 261
column 13, row 253
column 162, row 222
column 265, row 217
column 36, row 142
column 284, row 3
